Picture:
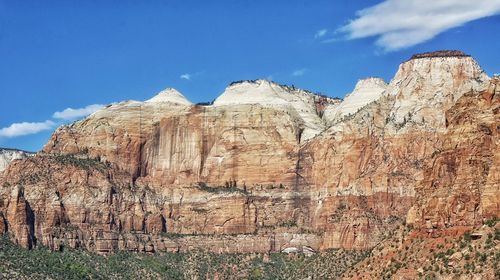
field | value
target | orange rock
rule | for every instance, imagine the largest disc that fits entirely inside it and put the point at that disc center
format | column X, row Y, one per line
column 171, row 176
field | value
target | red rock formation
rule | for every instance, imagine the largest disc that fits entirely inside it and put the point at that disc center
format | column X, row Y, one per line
column 165, row 175
column 461, row 184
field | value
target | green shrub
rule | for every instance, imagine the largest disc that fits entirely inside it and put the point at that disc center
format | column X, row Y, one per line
column 467, row 236
column 41, row 263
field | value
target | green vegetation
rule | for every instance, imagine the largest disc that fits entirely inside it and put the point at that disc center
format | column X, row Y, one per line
column 41, row 263
column 229, row 187
column 471, row 255
column 288, row 224
column 492, row 222
column 467, row 236
column 80, row 161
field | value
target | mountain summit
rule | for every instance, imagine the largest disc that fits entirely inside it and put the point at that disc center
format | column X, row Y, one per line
column 430, row 83
column 299, row 103
column 169, row 95
column 442, row 53
column 365, row 92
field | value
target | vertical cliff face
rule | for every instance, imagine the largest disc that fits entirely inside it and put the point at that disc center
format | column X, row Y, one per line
column 461, row 181
column 426, row 86
column 385, row 152
column 244, row 144
column 250, row 135
column 267, row 167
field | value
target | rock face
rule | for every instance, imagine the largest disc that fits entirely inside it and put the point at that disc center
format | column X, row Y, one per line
column 301, row 104
column 266, row 167
column 426, row 86
column 365, row 92
column 169, row 95
column 8, row 155
column 461, row 184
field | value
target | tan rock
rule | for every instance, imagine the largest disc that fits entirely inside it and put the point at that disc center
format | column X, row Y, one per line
column 166, row 175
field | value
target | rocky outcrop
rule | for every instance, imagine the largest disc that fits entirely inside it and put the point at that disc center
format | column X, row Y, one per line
column 426, row 86
column 20, row 218
column 307, row 107
column 365, row 92
column 461, row 183
column 8, row 155
column 264, row 169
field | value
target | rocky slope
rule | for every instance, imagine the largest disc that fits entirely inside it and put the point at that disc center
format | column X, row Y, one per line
column 267, row 167
column 462, row 253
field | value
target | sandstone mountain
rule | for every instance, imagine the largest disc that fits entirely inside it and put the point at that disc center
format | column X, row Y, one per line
column 365, row 92
column 267, row 167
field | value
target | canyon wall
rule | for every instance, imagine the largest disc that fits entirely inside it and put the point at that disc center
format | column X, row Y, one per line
column 266, row 167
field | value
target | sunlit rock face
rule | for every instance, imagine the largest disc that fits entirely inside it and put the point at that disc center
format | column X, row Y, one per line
column 267, row 167
column 302, row 104
column 365, row 92
column 169, row 95
column 461, row 180
column 9, row 155
column 427, row 85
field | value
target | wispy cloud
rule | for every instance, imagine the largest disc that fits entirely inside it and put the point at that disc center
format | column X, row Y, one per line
column 186, row 76
column 299, row 72
column 320, row 33
column 25, row 128
column 403, row 23
column 71, row 114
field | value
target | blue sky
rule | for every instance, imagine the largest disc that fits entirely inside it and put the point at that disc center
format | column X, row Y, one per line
column 56, row 55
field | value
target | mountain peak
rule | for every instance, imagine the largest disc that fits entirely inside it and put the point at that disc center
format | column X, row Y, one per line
column 452, row 70
column 170, row 95
column 303, row 104
column 429, row 84
column 366, row 91
column 263, row 84
column 256, row 82
column 248, row 92
column 370, row 82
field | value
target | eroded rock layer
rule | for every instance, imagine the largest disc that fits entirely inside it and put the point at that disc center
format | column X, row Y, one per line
column 264, row 170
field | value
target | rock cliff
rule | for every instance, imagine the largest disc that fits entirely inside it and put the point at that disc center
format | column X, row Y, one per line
column 9, row 155
column 267, row 167
column 365, row 92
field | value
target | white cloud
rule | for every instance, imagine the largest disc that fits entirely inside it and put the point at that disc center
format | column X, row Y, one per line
column 320, row 33
column 299, row 72
column 25, row 128
column 331, row 40
column 403, row 23
column 186, row 76
column 70, row 113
